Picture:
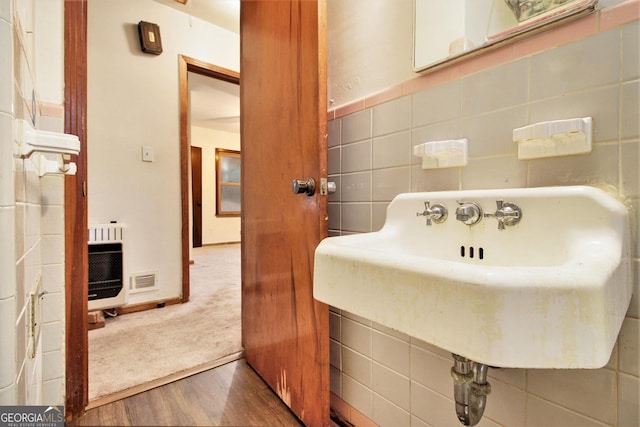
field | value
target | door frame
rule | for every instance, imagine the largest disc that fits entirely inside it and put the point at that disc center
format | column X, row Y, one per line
column 76, row 213
column 186, row 64
column 196, row 196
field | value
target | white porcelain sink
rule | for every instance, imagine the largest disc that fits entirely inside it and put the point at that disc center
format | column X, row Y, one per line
column 548, row 292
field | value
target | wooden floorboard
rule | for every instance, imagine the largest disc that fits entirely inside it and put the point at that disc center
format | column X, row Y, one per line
column 229, row 395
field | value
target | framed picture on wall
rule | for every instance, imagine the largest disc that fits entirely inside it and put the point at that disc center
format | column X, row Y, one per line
column 227, row 182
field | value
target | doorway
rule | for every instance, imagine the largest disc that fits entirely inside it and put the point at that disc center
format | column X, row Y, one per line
column 214, row 282
column 190, row 65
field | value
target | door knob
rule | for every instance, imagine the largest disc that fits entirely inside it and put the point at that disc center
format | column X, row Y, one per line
column 308, row 186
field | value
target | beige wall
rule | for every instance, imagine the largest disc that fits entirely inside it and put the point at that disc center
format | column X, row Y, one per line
column 590, row 68
column 214, row 229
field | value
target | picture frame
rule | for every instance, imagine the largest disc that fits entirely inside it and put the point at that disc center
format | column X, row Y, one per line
column 150, row 40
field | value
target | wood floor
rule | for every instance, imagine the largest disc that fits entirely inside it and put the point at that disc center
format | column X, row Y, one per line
column 230, row 395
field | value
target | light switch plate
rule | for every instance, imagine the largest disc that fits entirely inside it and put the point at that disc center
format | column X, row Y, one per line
column 147, row 153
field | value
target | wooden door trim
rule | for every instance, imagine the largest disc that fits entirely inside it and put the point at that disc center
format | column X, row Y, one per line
column 186, row 64
column 196, row 196
column 75, row 207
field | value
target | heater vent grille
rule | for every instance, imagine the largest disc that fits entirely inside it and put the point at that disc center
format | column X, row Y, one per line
column 141, row 282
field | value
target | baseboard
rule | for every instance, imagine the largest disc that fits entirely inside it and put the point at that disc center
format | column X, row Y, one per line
column 133, row 308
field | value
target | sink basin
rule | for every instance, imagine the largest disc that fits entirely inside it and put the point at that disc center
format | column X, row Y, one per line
column 548, row 292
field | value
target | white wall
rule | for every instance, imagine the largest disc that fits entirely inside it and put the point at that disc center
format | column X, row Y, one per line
column 133, row 101
column 214, row 229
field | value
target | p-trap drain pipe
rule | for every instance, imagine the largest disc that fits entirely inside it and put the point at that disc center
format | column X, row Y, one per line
column 470, row 389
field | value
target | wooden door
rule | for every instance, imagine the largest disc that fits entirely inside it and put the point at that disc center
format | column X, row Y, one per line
column 283, row 132
column 196, row 195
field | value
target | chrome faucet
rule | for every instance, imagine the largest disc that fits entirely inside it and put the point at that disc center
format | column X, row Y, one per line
column 436, row 213
column 468, row 212
column 507, row 213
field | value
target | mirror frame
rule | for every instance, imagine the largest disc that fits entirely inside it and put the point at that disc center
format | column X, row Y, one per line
column 534, row 26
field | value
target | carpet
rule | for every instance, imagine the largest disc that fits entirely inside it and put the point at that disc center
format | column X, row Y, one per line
column 138, row 348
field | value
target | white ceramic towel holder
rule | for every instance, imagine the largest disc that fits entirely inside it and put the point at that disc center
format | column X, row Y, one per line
column 40, row 141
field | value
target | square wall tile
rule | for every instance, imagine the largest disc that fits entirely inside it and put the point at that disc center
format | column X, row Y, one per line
column 388, row 183
column 391, row 352
column 356, row 187
column 494, row 172
column 52, row 188
column 630, row 159
column 485, row 91
column 543, row 413
column 53, row 336
column 437, row 104
column 506, row 404
column 52, row 365
column 630, row 111
column 497, row 138
column 392, row 116
column 628, row 398
column 7, row 253
column 631, row 51
column 335, row 380
column 386, row 414
column 379, row 215
column 356, row 217
column 6, row 67
column 356, row 336
column 53, row 392
column 5, row 10
column 584, row 64
column 356, row 127
column 8, row 395
column 334, row 129
column 392, row 150
column 334, row 156
column 52, row 219
column 590, row 392
column 435, row 179
column 431, row 407
column 432, row 371
column 629, row 347
column 7, row 185
column 53, row 308
column 356, row 366
column 356, row 157
column 334, row 325
column 634, row 306
column 601, row 104
column 333, row 209
column 335, row 357
column 600, row 167
column 391, row 385
column 357, row 395
column 8, row 371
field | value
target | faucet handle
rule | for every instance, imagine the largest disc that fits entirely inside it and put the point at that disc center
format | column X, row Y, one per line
column 437, row 213
column 506, row 213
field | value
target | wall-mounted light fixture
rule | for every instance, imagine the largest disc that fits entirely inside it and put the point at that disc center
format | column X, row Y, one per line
column 150, row 40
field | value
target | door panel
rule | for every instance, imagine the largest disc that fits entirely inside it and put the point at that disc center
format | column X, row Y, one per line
column 283, row 114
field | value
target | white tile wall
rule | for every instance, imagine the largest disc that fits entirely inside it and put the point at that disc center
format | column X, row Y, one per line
column 397, row 380
column 32, row 228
